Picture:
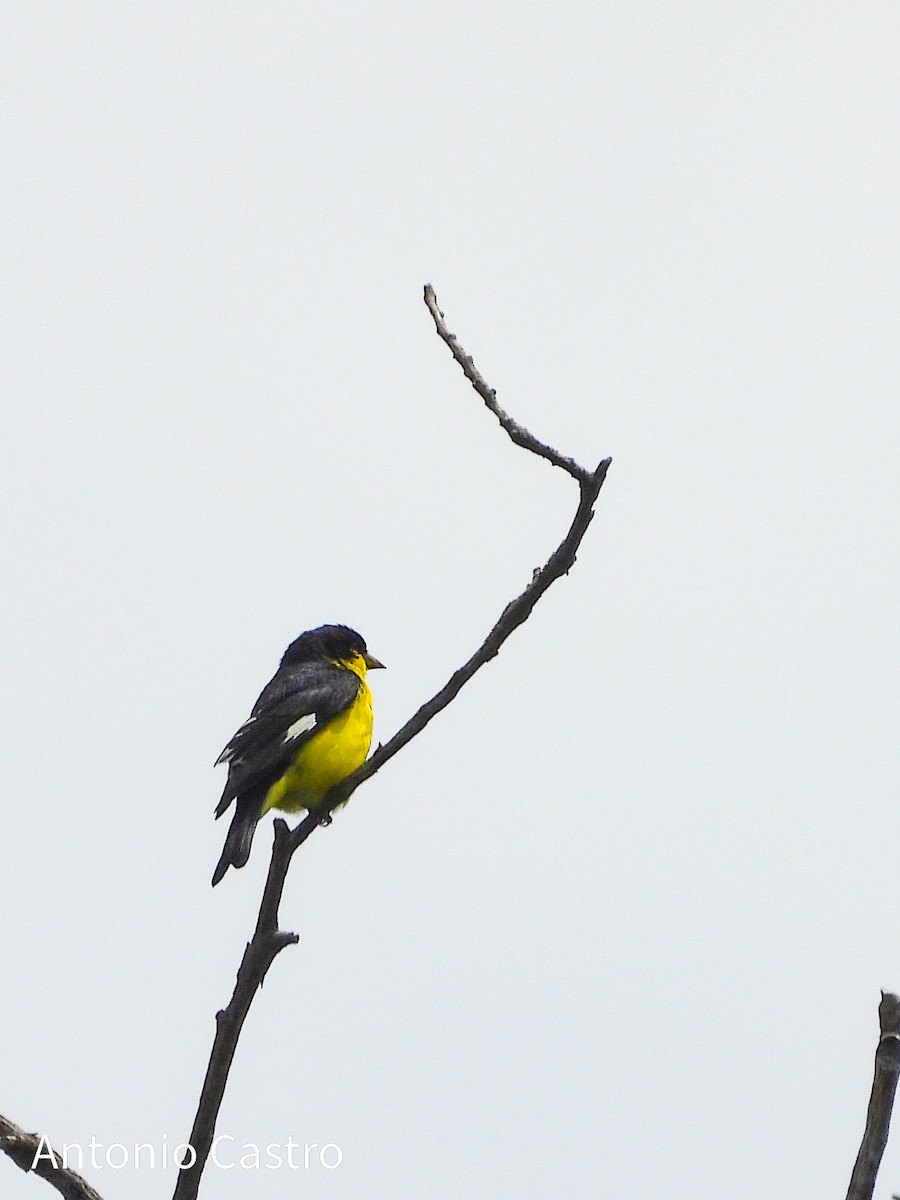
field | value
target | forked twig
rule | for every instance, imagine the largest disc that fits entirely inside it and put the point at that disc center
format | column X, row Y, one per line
column 268, row 940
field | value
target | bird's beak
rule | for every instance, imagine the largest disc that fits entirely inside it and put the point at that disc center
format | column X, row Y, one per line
column 372, row 662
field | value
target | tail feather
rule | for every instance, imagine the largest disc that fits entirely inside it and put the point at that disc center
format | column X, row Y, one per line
column 236, row 850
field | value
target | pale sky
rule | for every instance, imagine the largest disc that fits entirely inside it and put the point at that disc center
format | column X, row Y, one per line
column 616, row 923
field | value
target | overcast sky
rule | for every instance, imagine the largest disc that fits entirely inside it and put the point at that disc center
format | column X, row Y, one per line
column 616, row 923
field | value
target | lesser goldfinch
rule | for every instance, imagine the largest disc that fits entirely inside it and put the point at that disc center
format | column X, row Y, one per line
column 310, row 728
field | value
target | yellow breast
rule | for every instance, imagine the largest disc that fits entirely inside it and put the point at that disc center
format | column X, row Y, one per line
column 330, row 755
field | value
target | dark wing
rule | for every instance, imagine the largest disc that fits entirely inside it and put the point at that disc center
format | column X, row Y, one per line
column 292, row 707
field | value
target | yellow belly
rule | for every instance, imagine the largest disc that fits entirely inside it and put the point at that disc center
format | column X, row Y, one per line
column 328, row 757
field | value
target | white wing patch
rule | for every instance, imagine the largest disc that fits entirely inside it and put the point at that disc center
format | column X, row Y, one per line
column 304, row 725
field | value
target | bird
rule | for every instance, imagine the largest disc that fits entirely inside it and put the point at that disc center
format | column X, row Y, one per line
column 310, row 728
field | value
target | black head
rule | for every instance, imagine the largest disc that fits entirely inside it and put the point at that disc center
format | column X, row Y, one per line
column 337, row 643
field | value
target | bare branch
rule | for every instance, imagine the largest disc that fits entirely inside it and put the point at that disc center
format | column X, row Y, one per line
column 517, row 432
column 881, row 1101
column 30, row 1152
column 259, row 955
column 268, row 939
column 517, row 611
column 559, row 563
